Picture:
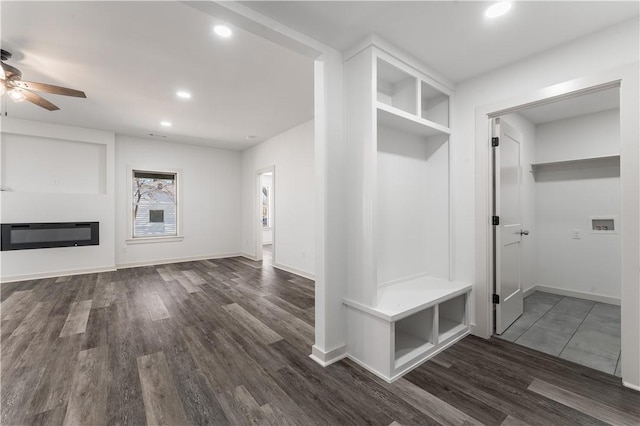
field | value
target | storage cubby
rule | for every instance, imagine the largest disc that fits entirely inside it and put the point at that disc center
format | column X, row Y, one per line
column 452, row 317
column 413, row 336
column 434, row 105
column 402, row 304
column 412, row 232
column 396, row 87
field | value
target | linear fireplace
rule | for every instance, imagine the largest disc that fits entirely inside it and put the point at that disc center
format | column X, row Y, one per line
column 23, row 236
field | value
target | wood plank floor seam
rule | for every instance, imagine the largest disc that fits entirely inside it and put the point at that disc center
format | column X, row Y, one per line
column 227, row 342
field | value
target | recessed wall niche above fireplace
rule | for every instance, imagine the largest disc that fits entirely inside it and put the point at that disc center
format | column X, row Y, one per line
column 23, row 236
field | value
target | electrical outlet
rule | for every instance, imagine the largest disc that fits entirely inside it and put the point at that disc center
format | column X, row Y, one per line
column 576, row 234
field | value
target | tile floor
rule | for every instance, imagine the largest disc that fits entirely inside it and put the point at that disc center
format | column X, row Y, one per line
column 578, row 330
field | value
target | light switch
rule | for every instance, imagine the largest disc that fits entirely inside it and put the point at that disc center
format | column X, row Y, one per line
column 577, row 234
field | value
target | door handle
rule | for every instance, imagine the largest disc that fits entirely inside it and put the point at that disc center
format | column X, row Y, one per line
column 524, row 232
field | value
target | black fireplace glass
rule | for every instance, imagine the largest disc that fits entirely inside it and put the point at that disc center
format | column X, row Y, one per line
column 21, row 236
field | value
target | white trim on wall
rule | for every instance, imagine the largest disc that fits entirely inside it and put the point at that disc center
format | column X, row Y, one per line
column 572, row 293
column 329, row 357
column 56, row 274
column 294, row 271
column 176, row 260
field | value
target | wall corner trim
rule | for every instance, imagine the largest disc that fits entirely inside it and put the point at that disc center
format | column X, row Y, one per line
column 327, row 358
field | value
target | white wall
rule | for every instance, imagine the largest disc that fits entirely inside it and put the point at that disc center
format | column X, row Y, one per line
column 210, row 197
column 566, row 198
column 613, row 52
column 581, row 58
column 292, row 154
column 55, row 173
column 412, row 228
column 589, row 135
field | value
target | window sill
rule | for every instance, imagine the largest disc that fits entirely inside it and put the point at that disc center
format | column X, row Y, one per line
column 154, row 240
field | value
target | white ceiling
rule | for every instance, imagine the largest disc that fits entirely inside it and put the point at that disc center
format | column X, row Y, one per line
column 452, row 37
column 131, row 57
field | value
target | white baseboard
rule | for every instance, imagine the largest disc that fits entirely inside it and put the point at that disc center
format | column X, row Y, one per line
column 54, row 274
column 176, row 260
column 630, row 386
column 303, row 274
column 529, row 291
column 578, row 294
column 368, row 368
column 478, row 331
column 295, row 271
column 249, row 256
column 81, row 271
column 327, row 358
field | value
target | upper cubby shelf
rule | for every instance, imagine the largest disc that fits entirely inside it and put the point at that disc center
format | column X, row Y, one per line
column 395, row 118
column 434, row 105
column 397, row 88
column 408, row 103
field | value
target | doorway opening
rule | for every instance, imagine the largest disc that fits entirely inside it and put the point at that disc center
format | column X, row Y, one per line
column 557, row 249
column 266, row 229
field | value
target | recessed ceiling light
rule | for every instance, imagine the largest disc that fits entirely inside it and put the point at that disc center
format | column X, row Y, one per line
column 184, row 95
column 165, row 123
column 497, row 9
column 222, row 30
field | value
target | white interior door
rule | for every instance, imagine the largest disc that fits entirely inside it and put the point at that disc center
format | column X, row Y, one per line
column 508, row 233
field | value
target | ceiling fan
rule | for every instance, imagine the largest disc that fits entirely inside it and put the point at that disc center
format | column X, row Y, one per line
column 19, row 90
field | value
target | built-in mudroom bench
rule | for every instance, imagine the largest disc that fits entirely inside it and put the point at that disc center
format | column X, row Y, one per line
column 412, row 321
column 403, row 304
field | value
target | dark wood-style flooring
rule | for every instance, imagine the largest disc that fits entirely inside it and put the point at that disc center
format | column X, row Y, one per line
column 227, row 342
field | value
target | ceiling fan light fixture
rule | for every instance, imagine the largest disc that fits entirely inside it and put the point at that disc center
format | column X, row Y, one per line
column 17, row 95
column 497, row 9
column 222, row 31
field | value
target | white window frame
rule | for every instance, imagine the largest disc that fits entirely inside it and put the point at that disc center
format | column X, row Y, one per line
column 130, row 239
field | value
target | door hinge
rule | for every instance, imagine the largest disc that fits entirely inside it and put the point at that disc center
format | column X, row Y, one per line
column 496, row 299
column 495, row 220
column 495, row 142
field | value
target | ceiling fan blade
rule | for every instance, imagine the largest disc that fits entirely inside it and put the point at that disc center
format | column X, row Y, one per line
column 10, row 72
column 39, row 100
column 49, row 88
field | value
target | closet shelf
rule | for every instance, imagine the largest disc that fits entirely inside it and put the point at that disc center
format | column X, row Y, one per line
column 399, row 300
column 398, row 119
column 602, row 161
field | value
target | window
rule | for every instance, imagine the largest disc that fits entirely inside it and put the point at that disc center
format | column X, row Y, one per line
column 154, row 204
